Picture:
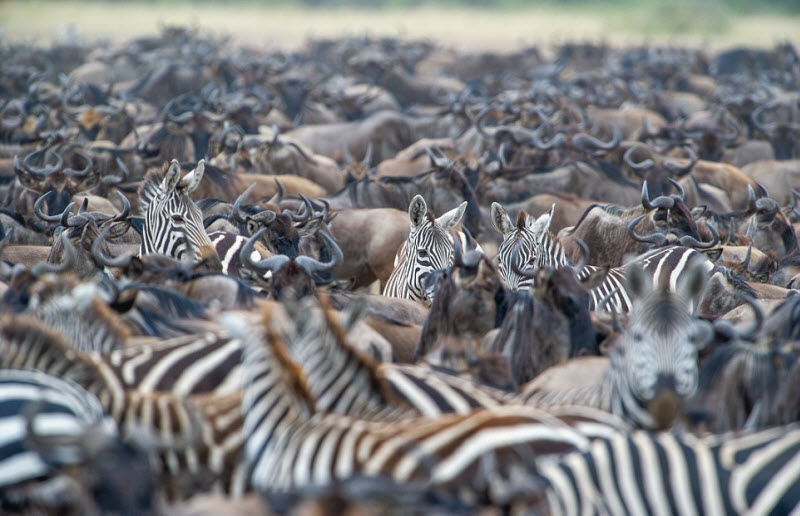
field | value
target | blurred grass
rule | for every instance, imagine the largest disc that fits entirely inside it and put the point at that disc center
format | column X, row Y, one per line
column 514, row 22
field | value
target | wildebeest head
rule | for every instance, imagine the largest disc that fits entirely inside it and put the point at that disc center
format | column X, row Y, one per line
column 46, row 171
column 768, row 228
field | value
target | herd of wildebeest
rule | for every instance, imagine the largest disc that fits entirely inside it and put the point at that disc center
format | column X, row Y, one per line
column 384, row 276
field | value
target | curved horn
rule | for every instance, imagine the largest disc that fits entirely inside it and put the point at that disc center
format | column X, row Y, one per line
column 37, row 209
column 653, row 238
column 237, row 213
column 746, row 262
column 105, row 261
column 45, row 169
column 661, row 201
column 679, row 187
column 70, row 257
column 368, row 155
column 583, row 140
column 688, row 241
column 680, row 170
column 126, row 208
column 273, row 263
column 641, row 165
column 314, row 266
column 751, row 200
column 458, row 254
column 540, row 144
column 278, row 197
column 758, row 316
column 85, row 170
column 348, row 158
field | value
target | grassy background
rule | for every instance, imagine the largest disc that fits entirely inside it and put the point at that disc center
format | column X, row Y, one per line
column 458, row 23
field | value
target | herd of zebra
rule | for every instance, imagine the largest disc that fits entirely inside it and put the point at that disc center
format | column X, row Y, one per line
column 205, row 295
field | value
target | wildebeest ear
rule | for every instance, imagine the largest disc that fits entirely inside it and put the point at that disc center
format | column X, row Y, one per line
column 417, row 210
column 171, row 177
column 596, row 278
column 692, row 281
column 542, row 224
column 639, row 283
column 193, row 178
column 500, row 219
column 451, row 219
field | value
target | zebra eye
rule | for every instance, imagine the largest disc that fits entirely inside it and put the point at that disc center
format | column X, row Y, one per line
column 177, row 218
column 422, row 253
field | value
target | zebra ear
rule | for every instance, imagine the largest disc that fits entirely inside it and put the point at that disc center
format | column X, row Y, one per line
column 638, row 282
column 417, row 210
column 452, row 218
column 500, row 219
column 542, row 224
column 693, row 280
column 171, row 177
column 193, row 178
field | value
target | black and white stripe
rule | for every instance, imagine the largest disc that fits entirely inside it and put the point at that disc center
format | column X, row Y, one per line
column 537, row 247
column 668, row 473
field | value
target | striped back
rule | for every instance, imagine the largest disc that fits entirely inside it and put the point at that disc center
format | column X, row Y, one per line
column 429, row 248
column 293, row 448
column 57, row 408
column 173, row 224
column 666, row 473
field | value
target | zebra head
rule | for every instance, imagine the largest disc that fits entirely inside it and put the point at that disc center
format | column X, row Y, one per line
column 429, row 248
column 655, row 364
column 530, row 237
column 173, row 224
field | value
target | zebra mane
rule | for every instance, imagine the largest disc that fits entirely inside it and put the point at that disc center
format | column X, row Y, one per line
column 365, row 362
column 151, row 186
column 295, row 378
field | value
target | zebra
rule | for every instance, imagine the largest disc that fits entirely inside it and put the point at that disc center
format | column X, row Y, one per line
column 343, row 380
column 654, row 366
column 429, row 248
column 199, row 436
column 173, row 223
column 62, row 408
column 529, row 245
column 671, row 473
column 293, row 448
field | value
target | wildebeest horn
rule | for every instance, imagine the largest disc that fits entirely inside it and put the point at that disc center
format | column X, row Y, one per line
column 540, row 144
column 37, row 209
column 515, row 266
column 70, row 257
column 237, row 213
column 583, row 140
column 679, row 187
column 746, row 261
column 762, row 191
column 278, row 197
column 308, row 211
column 103, row 260
column 653, row 238
column 758, row 316
column 457, row 252
column 302, row 152
column 689, row 241
column 763, row 126
column 117, row 179
column 368, row 154
column 641, row 165
column 126, row 208
column 659, row 202
column 273, row 263
column 45, row 169
column 85, row 170
column 313, row 266
column 680, row 170
column 68, row 220
column 751, row 200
